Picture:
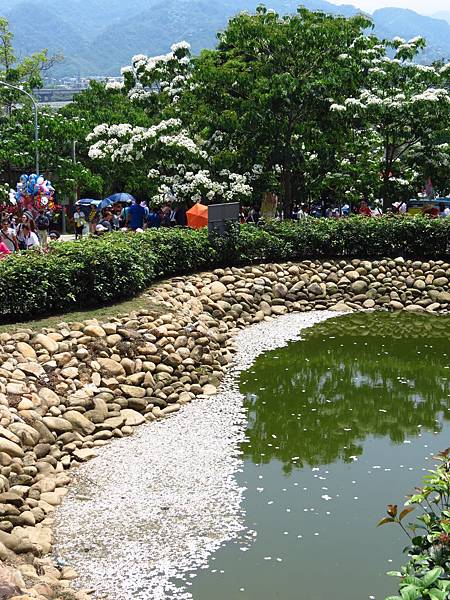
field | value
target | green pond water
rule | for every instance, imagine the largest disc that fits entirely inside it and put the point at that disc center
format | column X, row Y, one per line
column 339, row 425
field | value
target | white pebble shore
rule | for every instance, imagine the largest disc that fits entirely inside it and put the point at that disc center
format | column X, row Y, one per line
column 153, row 508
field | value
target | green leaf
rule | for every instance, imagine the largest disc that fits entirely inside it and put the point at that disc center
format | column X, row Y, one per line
column 436, row 594
column 410, row 592
column 430, row 577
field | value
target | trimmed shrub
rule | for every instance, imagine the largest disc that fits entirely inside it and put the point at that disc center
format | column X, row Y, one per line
column 117, row 266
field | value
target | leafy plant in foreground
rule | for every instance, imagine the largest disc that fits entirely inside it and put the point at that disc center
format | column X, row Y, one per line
column 427, row 574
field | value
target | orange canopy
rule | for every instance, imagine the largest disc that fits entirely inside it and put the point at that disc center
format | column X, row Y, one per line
column 197, row 216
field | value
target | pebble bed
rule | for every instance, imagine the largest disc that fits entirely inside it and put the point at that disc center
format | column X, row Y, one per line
column 145, row 515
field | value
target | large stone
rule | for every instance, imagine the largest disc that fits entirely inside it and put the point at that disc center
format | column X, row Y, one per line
column 16, row 389
column 58, row 424
column 46, row 342
column 114, row 422
column 39, row 536
column 133, row 391
column 111, row 367
column 11, row 448
column 31, row 368
column 443, row 297
column 440, row 281
column 218, row 288
column 395, row 305
column 137, row 403
column 27, row 434
column 359, row 287
column 85, row 454
column 26, row 350
column 279, row 310
column 49, row 397
column 415, row 308
column 209, row 389
column 79, row 422
column 340, row 307
column 132, row 417
column 280, row 290
column 314, row 289
column 94, row 331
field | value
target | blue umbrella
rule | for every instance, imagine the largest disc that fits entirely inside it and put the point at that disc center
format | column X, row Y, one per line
column 122, row 197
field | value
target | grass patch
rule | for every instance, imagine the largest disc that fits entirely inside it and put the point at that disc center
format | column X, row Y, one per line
column 103, row 314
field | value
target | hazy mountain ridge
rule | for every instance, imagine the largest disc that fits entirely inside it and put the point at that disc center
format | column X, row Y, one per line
column 99, row 36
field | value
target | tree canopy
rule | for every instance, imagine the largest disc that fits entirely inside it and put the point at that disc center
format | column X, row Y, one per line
column 309, row 106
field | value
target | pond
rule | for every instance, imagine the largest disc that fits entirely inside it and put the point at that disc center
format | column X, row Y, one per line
column 339, row 425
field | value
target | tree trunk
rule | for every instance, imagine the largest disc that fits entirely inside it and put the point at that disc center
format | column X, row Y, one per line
column 385, row 190
column 288, row 197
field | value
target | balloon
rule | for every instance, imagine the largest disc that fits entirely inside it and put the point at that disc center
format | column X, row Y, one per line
column 40, row 180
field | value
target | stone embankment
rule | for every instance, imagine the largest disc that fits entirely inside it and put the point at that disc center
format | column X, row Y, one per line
column 67, row 391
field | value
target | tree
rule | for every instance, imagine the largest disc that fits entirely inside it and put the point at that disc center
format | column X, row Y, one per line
column 26, row 72
column 407, row 105
column 162, row 155
column 264, row 93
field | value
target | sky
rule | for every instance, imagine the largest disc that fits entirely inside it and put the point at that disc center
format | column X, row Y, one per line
column 425, row 7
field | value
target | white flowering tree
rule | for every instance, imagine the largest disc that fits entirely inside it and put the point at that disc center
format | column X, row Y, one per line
column 177, row 165
column 407, row 106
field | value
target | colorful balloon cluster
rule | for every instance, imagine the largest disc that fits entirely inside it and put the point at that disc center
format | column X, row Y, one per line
column 35, row 190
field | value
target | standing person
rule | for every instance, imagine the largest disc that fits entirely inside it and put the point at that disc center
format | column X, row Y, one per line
column 30, row 239
column 116, row 217
column 42, row 226
column 80, row 221
column 8, row 236
column 180, row 216
column 165, row 215
column 154, row 218
column 26, row 221
column 135, row 216
column 124, row 216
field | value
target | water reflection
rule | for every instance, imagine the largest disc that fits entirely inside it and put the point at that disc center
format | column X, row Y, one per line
column 373, row 374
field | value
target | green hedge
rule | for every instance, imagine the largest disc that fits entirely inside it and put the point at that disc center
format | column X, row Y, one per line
column 98, row 271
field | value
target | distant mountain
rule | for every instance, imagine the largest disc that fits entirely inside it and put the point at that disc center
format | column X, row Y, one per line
column 97, row 37
column 442, row 14
column 390, row 22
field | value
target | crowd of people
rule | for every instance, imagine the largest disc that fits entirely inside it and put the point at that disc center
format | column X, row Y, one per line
column 362, row 208
column 135, row 217
column 28, row 231
column 35, row 230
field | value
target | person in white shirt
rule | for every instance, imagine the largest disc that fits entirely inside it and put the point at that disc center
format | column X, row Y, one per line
column 29, row 237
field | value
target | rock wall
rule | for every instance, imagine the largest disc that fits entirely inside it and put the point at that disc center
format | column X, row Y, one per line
column 65, row 392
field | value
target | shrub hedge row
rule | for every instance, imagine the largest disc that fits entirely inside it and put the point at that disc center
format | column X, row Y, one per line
column 98, row 271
